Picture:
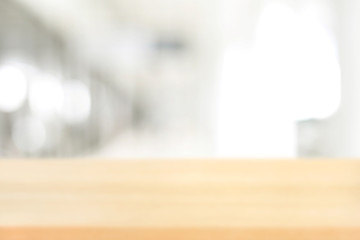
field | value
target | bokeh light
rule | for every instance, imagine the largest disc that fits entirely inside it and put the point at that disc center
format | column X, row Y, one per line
column 45, row 95
column 76, row 104
column 13, row 87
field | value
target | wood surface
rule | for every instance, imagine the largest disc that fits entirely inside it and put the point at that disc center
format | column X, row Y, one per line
column 216, row 199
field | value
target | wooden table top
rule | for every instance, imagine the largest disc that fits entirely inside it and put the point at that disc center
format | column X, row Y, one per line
column 217, row 199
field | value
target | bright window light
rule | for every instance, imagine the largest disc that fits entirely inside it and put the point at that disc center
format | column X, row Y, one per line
column 13, row 87
column 296, row 59
column 291, row 72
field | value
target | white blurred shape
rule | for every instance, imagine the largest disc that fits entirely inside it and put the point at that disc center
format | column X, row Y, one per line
column 29, row 134
column 13, row 87
column 76, row 102
column 319, row 73
column 296, row 60
column 246, row 123
column 45, row 95
column 292, row 73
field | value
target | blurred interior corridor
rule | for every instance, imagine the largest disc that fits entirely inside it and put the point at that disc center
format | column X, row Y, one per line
column 179, row 78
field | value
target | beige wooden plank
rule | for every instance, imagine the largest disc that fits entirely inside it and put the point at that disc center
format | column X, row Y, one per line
column 180, row 194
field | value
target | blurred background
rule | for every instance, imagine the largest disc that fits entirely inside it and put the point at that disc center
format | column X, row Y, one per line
column 179, row 78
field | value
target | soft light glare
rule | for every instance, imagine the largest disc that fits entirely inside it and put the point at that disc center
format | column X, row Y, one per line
column 13, row 87
column 246, row 123
column 76, row 102
column 296, row 59
column 45, row 96
column 290, row 73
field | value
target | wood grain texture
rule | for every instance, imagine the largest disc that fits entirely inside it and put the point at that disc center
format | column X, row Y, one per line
column 177, row 234
column 300, row 199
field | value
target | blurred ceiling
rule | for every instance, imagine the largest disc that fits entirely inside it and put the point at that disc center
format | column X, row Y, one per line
column 156, row 13
column 96, row 29
column 98, row 18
